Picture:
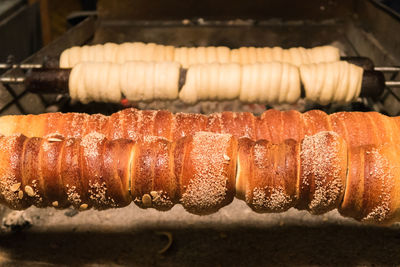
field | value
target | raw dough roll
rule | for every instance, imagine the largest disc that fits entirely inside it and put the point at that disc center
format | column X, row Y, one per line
column 211, row 82
column 137, row 80
column 120, row 53
column 270, row 83
column 333, row 82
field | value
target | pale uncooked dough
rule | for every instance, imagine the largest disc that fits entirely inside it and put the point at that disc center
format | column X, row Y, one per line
column 137, row 80
column 188, row 56
column 213, row 81
column 272, row 82
column 332, row 82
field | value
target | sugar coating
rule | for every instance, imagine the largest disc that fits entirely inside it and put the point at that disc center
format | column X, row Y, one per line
column 97, row 122
column 37, row 198
column 158, row 199
column 144, row 123
column 207, row 188
column 319, row 157
column 73, row 196
column 260, row 152
column 77, row 124
column 215, row 118
column 8, row 169
column 269, row 199
column 116, row 126
column 152, row 138
column 161, row 199
column 90, row 144
column 46, row 146
column 98, row 194
column 131, row 130
column 381, row 174
column 184, row 124
column 153, row 143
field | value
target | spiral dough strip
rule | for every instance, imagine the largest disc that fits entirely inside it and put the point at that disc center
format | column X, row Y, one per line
column 203, row 172
column 333, row 82
column 296, row 56
column 270, row 83
column 136, row 80
column 188, row 56
column 261, row 83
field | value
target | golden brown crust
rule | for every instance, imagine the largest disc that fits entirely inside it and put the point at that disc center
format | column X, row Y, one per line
column 11, row 182
column 356, row 127
column 275, row 126
column 373, row 184
column 117, row 159
column 50, row 164
column 353, row 197
column 131, row 124
column 31, row 172
column 184, row 124
column 387, row 130
column 93, row 180
column 238, row 124
column 142, row 171
column 270, row 126
column 163, row 124
column 95, row 123
column 293, row 125
column 244, row 168
column 34, row 122
column 207, row 182
column 71, row 173
column 164, row 192
column 58, row 172
column 316, row 121
column 323, row 166
column 55, row 123
column 271, row 185
column 203, row 172
column 72, row 126
column 153, row 181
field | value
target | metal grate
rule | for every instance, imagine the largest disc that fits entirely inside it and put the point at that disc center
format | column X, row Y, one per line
column 257, row 33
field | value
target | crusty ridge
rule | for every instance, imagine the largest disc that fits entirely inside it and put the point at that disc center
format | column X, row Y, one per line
column 356, row 128
column 203, row 172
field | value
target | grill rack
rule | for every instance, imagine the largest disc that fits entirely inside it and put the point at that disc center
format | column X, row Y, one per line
column 93, row 31
column 62, row 101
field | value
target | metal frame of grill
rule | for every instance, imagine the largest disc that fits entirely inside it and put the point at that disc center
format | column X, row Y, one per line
column 353, row 34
